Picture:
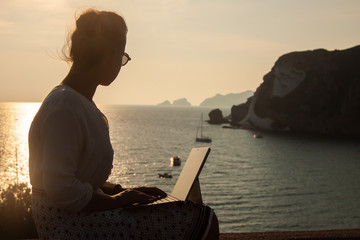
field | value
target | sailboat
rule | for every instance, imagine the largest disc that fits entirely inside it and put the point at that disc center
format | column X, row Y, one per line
column 202, row 138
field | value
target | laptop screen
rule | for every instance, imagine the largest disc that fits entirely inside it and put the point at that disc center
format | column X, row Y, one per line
column 190, row 172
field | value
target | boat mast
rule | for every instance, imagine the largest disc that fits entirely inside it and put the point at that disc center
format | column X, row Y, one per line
column 201, row 122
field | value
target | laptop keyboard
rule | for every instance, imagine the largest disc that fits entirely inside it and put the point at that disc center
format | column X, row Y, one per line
column 166, row 199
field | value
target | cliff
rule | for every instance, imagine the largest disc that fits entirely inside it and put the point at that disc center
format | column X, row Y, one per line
column 312, row 92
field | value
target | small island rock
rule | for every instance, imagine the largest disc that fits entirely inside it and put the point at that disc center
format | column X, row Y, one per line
column 216, row 117
column 181, row 102
column 165, row 103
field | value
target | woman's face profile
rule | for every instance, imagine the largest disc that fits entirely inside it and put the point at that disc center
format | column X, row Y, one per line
column 112, row 66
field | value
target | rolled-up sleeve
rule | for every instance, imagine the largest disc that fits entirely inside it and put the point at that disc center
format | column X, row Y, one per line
column 63, row 143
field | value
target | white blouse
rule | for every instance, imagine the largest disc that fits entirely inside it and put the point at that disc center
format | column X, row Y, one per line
column 70, row 154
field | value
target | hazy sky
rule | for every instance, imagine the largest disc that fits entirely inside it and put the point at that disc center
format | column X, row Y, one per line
column 179, row 48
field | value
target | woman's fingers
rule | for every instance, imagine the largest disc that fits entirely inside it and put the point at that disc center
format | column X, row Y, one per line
column 154, row 191
column 131, row 197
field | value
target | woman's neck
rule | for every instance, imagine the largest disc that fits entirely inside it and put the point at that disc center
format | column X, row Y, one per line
column 84, row 82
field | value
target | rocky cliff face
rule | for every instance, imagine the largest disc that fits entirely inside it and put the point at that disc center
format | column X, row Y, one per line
column 312, row 91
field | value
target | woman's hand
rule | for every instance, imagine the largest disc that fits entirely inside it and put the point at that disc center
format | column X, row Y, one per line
column 127, row 197
column 132, row 196
column 111, row 189
column 153, row 191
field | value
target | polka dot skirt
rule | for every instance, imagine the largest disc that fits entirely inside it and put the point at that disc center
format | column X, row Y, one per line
column 166, row 221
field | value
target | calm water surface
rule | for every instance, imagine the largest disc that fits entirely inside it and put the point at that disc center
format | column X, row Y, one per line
column 279, row 182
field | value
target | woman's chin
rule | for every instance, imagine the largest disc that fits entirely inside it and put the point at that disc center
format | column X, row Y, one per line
column 106, row 83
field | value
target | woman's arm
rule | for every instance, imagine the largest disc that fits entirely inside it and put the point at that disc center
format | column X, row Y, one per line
column 62, row 139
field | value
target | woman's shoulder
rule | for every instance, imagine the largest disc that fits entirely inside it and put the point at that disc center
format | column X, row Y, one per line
column 65, row 98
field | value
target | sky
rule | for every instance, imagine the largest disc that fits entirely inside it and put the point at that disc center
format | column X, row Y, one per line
column 190, row 49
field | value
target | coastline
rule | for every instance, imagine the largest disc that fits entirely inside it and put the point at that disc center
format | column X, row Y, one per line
column 340, row 234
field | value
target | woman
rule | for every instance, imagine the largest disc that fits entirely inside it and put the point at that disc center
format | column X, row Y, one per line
column 70, row 154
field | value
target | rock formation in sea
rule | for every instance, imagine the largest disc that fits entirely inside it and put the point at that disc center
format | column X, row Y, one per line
column 165, row 103
column 216, row 117
column 181, row 102
column 310, row 92
column 227, row 100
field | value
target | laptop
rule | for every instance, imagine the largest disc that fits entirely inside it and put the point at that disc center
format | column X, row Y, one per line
column 187, row 183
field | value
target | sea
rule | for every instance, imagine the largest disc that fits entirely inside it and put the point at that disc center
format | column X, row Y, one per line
column 281, row 182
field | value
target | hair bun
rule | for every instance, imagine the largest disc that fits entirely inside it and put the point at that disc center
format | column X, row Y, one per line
column 88, row 23
column 97, row 33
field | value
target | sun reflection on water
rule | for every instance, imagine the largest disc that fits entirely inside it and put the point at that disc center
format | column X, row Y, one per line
column 15, row 121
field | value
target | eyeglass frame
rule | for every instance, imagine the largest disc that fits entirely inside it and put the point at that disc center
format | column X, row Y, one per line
column 125, row 59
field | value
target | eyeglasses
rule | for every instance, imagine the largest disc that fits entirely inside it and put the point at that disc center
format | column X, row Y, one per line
column 125, row 59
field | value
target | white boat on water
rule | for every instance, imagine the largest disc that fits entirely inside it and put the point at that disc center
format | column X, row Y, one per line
column 256, row 135
column 175, row 161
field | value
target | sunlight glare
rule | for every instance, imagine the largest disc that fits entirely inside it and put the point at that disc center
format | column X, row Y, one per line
column 15, row 161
